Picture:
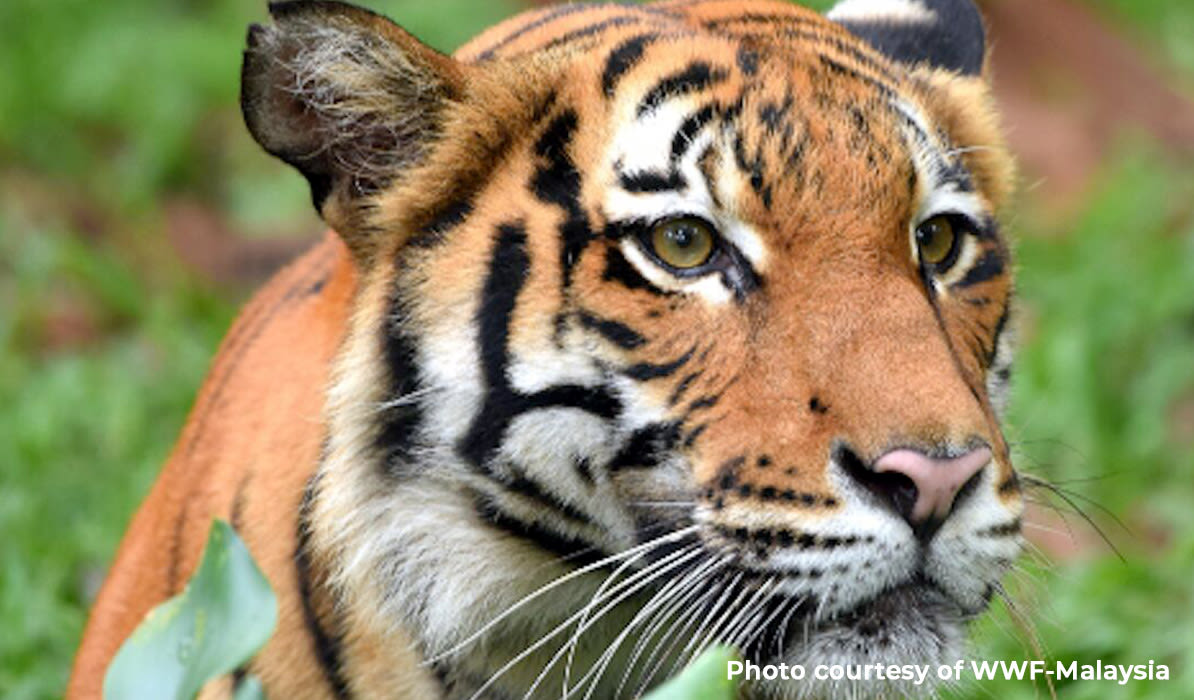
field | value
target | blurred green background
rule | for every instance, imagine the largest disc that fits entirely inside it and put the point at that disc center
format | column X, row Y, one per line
column 136, row 214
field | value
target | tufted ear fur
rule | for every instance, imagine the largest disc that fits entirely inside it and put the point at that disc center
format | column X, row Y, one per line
column 348, row 98
column 945, row 34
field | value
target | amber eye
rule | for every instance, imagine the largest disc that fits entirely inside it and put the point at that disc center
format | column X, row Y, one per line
column 937, row 239
column 684, row 244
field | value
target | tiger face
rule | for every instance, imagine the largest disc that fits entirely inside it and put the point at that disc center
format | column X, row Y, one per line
column 679, row 324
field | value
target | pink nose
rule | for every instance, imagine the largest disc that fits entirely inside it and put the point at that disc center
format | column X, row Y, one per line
column 937, row 481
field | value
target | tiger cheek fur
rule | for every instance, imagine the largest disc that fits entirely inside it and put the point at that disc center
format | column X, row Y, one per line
column 558, row 455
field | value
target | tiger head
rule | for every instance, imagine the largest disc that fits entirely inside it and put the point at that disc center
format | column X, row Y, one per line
column 678, row 324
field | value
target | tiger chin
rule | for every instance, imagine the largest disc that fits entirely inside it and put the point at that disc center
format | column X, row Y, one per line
column 642, row 329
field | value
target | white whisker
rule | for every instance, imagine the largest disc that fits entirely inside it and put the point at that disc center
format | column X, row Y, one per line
column 687, row 591
column 556, row 583
column 624, row 590
column 584, row 621
column 598, row 669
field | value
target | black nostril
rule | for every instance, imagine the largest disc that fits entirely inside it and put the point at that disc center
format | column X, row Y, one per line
column 891, row 488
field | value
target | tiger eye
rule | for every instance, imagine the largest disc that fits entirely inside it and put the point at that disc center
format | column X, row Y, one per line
column 936, row 239
column 684, row 244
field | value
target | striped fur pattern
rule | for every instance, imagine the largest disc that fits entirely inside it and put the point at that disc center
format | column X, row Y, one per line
column 550, row 465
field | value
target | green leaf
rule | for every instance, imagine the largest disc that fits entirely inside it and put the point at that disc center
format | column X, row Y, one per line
column 707, row 678
column 225, row 614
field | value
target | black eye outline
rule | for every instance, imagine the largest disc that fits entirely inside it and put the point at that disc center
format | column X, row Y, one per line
column 714, row 262
column 961, row 226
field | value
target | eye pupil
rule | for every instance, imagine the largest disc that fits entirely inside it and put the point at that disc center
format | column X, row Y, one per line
column 681, row 236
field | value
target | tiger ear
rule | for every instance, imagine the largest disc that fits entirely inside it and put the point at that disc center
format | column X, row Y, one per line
column 947, row 34
column 348, row 98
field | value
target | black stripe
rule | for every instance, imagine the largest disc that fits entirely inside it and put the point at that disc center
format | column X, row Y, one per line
column 400, row 423
column 774, row 114
column 590, row 31
column 593, row 400
column 584, row 470
column 615, row 332
column 886, row 90
column 327, row 646
column 238, row 676
column 1007, row 529
column 782, row 19
column 697, row 76
column 508, row 271
column 647, row 371
column 651, row 182
column 564, row 11
column 578, row 552
column 618, row 268
column 621, row 60
column 748, row 60
column 531, row 491
column 448, row 217
column 688, row 131
column 683, row 386
column 1000, row 327
column 988, row 267
column 647, row 447
column 695, row 434
column 753, row 167
column 558, row 182
column 549, row 17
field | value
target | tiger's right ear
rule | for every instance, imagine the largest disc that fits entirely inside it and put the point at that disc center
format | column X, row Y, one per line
column 347, row 97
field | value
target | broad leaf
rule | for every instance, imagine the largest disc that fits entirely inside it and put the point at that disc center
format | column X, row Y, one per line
column 225, row 614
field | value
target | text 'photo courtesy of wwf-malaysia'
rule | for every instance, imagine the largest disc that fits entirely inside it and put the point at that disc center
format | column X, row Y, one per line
column 640, row 329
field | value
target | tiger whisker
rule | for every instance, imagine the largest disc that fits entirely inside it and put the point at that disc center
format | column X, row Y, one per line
column 623, row 590
column 741, row 614
column 662, row 599
column 598, row 669
column 406, row 399
column 685, row 593
column 597, row 596
column 782, row 638
column 1064, row 495
column 675, row 634
column 745, row 617
column 556, row 583
column 758, row 620
column 766, row 626
column 584, row 623
column 971, row 149
column 707, row 629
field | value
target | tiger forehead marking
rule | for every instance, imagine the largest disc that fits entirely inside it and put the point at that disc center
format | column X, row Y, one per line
column 683, row 321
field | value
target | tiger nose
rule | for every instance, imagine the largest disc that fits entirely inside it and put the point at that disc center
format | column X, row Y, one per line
column 936, row 481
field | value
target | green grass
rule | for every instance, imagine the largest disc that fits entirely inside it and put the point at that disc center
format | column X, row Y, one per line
column 110, row 109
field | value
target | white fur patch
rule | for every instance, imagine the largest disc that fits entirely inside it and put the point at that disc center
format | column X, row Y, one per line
column 890, row 11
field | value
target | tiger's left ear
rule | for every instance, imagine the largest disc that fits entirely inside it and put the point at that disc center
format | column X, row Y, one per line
column 946, row 34
column 348, row 98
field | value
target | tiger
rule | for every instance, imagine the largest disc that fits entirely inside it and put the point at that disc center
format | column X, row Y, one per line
column 639, row 329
